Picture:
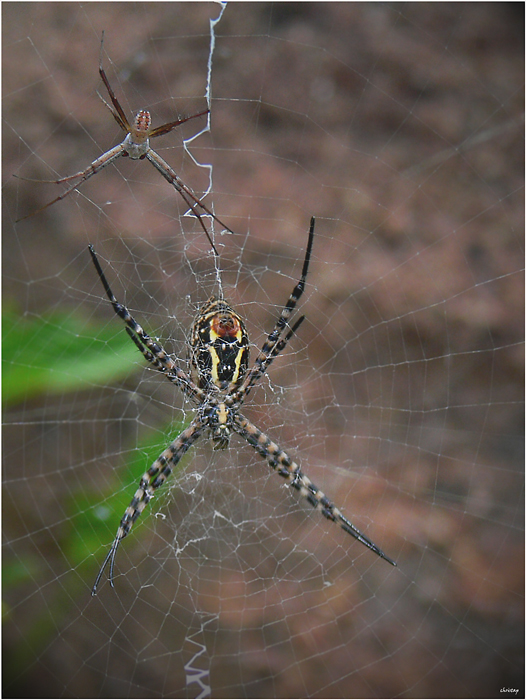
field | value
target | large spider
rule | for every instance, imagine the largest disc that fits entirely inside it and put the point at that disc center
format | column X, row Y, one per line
column 136, row 145
column 218, row 384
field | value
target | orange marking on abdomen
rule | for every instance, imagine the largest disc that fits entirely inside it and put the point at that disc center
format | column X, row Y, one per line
column 140, row 131
column 226, row 327
column 143, row 121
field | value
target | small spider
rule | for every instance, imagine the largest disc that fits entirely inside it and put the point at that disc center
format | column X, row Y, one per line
column 218, row 384
column 136, row 145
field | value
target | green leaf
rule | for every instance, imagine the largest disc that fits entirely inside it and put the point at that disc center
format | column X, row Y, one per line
column 57, row 353
column 61, row 352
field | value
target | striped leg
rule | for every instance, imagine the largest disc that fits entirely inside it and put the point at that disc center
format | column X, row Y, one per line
column 150, row 482
column 271, row 348
column 291, row 472
column 154, row 353
column 176, row 378
column 276, row 350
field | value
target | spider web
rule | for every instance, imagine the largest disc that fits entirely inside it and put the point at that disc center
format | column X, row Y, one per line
column 400, row 128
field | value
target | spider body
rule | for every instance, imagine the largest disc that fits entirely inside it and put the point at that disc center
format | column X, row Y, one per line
column 136, row 145
column 218, row 383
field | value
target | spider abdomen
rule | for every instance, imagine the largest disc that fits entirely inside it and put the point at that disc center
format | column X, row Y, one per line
column 142, row 124
column 219, row 350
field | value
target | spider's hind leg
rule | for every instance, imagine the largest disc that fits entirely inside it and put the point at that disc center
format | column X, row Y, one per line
column 110, row 557
column 154, row 477
column 291, row 472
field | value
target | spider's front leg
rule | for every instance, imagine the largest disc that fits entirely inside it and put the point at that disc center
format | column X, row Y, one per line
column 291, row 472
column 154, row 353
column 150, row 482
column 273, row 345
column 82, row 176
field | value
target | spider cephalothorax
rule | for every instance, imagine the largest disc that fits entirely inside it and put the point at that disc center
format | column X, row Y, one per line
column 218, row 383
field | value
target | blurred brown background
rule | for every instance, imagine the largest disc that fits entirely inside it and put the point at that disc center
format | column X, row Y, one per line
column 400, row 127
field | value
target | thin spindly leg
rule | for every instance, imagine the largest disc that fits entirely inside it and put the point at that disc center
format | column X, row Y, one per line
column 186, row 193
column 119, row 115
column 84, row 175
column 122, row 121
column 148, row 347
column 291, row 472
column 267, row 353
column 150, row 482
column 166, row 128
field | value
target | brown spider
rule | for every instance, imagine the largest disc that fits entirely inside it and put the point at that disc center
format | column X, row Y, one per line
column 136, row 145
